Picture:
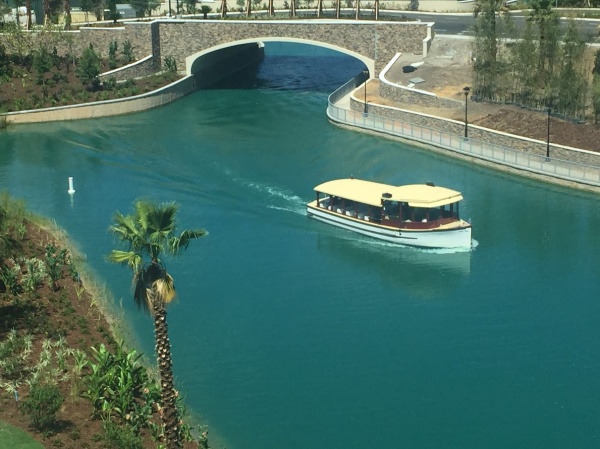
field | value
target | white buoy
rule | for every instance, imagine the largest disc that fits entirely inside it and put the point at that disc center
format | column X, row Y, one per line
column 71, row 189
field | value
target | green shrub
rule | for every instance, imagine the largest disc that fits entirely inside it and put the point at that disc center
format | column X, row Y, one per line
column 170, row 64
column 41, row 405
column 127, row 52
column 120, row 437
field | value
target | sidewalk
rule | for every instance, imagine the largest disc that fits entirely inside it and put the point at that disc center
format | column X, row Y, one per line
column 501, row 158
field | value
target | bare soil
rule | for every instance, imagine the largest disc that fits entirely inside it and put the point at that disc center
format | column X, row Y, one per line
column 61, row 87
column 447, row 70
column 66, row 310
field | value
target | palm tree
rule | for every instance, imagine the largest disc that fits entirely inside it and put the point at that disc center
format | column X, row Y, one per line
column 148, row 233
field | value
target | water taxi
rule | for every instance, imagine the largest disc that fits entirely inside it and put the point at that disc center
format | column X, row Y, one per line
column 422, row 215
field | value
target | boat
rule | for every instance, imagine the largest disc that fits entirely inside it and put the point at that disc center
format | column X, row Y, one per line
column 421, row 215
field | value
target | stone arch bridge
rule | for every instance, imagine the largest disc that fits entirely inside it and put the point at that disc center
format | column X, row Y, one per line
column 373, row 42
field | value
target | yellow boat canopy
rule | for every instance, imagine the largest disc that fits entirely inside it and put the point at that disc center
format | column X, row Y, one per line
column 372, row 193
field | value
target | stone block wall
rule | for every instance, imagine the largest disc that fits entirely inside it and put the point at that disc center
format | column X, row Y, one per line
column 74, row 42
column 379, row 41
column 410, row 96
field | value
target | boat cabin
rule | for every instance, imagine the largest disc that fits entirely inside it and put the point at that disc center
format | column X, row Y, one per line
column 416, row 206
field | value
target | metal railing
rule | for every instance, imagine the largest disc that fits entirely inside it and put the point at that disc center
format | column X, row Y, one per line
column 557, row 168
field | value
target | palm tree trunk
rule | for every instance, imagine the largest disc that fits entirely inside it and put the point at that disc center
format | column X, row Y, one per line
column 28, row 6
column 165, row 368
column 67, row 14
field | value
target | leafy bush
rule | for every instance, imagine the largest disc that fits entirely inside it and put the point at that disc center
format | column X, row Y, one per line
column 120, row 437
column 112, row 55
column 127, row 52
column 88, row 68
column 41, row 405
column 170, row 64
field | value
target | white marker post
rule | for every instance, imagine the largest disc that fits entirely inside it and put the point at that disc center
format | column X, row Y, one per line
column 71, row 189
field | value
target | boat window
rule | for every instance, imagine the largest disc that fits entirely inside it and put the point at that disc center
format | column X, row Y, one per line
column 391, row 209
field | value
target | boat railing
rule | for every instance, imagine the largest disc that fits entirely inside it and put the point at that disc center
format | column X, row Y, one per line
column 553, row 167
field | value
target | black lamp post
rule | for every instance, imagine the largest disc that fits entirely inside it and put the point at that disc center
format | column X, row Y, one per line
column 169, row 8
column 366, row 73
column 466, row 90
column 548, row 109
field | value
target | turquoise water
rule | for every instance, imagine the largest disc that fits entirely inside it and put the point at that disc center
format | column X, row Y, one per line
column 290, row 333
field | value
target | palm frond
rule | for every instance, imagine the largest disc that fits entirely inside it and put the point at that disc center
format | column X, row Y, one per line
column 165, row 287
column 178, row 244
column 129, row 258
column 140, row 292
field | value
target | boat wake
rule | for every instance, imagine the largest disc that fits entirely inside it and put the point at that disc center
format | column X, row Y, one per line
column 280, row 199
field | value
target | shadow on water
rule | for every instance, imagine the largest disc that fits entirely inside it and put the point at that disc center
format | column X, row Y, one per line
column 418, row 273
column 292, row 66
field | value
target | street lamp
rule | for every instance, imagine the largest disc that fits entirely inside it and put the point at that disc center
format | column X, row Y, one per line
column 366, row 110
column 466, row 90
column 548, row 110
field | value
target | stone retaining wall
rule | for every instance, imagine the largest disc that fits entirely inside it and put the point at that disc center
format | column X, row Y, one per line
column 481, row 134
column 74, row 42
column 407, row 95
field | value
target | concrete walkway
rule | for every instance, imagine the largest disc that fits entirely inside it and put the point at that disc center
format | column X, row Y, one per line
column 502, row 158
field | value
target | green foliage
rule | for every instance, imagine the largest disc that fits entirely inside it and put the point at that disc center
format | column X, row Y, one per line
column 118, row 386
column 9, row 274
column 170, row 64
column 6, row 68
column 120, row 437
column 42, row 404
column 127, row 52
column 35, row 275
column 191, row 6
column 88, row 68
column 536, row 70
column 596, row 68
column 113, row 14
column 55, row 261
column 144, row 7
column 43, row 61
column 112, row 55
column 596, row 99
column 205, row 10
column 14, row 354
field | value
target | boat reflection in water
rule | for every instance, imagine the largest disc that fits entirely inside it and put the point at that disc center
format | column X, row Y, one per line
column 416, row 272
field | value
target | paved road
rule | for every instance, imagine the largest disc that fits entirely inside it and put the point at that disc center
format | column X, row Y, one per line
column 462, row 24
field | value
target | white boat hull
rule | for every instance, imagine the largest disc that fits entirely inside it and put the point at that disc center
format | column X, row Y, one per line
column 427, row 238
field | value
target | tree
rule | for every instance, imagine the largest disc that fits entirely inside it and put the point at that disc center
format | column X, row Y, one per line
column 547, row 21
column 191, row 6
column 571, row 81
column 596, row 68
column 149, row 232
column 144, row 7
column 113, row 14
column 596, row 99
column 205, row 10
column 6, row 68
column 42, row 63
column 67, row 7
column 486, row 44
column 88, row 68
column 87, row 7
column 523, row 62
